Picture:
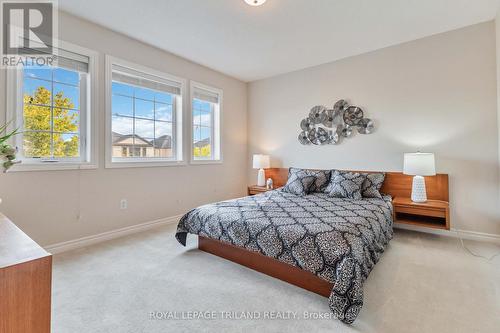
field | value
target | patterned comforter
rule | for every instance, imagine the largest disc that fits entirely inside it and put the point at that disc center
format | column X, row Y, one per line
column 339, row 240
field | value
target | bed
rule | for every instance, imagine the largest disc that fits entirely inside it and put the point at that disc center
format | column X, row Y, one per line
column 327, row 245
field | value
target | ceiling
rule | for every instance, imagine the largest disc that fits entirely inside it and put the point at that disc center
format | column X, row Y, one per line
column 252, row 43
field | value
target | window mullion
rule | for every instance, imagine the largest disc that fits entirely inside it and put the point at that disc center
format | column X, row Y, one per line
column 20, row 105
column 83, row 134
column 173, row 139
column 212, row 134
column 133, row 124
column 52, row 113
column 154, row 126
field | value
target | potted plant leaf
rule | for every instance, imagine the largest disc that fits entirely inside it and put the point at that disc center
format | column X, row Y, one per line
column 7, row 152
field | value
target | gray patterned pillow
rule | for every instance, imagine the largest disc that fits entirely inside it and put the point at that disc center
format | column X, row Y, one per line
column 322, row 178
column 372, row 185
column 299, row 182
column 347, row 185
column 329, row 187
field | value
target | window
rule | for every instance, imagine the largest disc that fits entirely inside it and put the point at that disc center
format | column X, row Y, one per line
column 53, row 111
column 206, row 106
column 145, row 113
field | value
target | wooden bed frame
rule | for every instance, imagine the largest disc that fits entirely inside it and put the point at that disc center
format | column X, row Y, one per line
column 266, row 265
column 396, row 184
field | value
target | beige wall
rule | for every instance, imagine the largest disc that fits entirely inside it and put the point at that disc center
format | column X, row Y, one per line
column 437, row 94
column 497, row 26
column 46, row 204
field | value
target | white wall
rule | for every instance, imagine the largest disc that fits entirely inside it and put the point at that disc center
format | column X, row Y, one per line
column 46, row 204
column 437, row 94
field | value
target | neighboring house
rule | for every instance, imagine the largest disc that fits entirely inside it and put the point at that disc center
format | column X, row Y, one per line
column 132, row 145
column 202, row 143
column 202, row 149
column 163, row 146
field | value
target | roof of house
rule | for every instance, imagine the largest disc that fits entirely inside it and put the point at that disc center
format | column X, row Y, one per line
column 163, row 142
column 202, row 143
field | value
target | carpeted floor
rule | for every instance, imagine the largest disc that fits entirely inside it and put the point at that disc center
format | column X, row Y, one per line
column 423, row 283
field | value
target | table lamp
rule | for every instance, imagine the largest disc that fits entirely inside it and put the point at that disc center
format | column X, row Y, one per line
column 261, row 162
column 419, row 165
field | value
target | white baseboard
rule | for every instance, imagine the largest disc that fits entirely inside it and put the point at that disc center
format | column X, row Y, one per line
column 108, row 235
column 89, row 240
column 456, row 233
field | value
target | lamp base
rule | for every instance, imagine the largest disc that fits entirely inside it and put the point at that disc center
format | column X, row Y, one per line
column 418, row 191
column 261, row 179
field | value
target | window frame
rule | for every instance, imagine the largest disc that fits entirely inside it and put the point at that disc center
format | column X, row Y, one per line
column 216, row 123
column 177, row 120
column 88, row 126
column 140, row 157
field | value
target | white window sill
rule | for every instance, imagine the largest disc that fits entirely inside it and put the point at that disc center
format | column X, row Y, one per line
column 52, row 166
column 143, row 164
column 202, row 162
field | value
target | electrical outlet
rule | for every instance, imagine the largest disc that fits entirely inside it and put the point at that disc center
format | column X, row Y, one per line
column 123, row 204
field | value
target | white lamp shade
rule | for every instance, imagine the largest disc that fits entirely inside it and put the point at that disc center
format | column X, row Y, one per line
column 261, row 161
column 419, row 164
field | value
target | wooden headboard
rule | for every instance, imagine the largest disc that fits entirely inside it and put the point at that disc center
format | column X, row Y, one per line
column 396, row 183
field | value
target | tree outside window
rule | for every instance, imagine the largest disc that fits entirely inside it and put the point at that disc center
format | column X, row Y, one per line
column 51, row 115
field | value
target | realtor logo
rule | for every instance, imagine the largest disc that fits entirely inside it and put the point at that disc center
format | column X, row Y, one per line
column 28, row 29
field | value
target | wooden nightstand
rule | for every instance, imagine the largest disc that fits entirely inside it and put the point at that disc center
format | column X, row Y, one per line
column 430, row 214
column 254, row 189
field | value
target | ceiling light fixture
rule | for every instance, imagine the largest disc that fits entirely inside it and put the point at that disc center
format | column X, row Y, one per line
column 255, row 2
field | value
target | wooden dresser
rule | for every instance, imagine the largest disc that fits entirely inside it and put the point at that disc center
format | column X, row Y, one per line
column 25, row 282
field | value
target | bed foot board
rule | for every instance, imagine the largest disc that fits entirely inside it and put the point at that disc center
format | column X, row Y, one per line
column 266, row 265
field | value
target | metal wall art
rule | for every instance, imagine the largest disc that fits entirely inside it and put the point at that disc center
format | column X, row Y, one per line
column 328, row 126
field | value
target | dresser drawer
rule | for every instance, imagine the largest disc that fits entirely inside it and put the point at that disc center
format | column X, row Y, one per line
column 421, row 211
column 253, row 190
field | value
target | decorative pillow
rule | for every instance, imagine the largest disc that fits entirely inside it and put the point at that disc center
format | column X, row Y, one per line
column 299, row 182
column 329, row 187
column 322, row 177
column 372, row 185
column 347, row 185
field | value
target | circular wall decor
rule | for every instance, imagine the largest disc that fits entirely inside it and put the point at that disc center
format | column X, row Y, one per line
column 304, row 138
column 317, row 114
column 329, row 118
column 322, row 135
column 352, row 115
column 330, row 126
column 306, row 124
column 333, row 137
column 312, row 137
column 365, row 126
column 346, row 131
column 341, row 105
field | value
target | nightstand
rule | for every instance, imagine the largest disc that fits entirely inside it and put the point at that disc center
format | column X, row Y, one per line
column 431, row 214
column 254, row 189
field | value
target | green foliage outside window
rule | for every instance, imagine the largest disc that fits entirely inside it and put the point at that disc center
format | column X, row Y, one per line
column 38, row 118
column 202, row 152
